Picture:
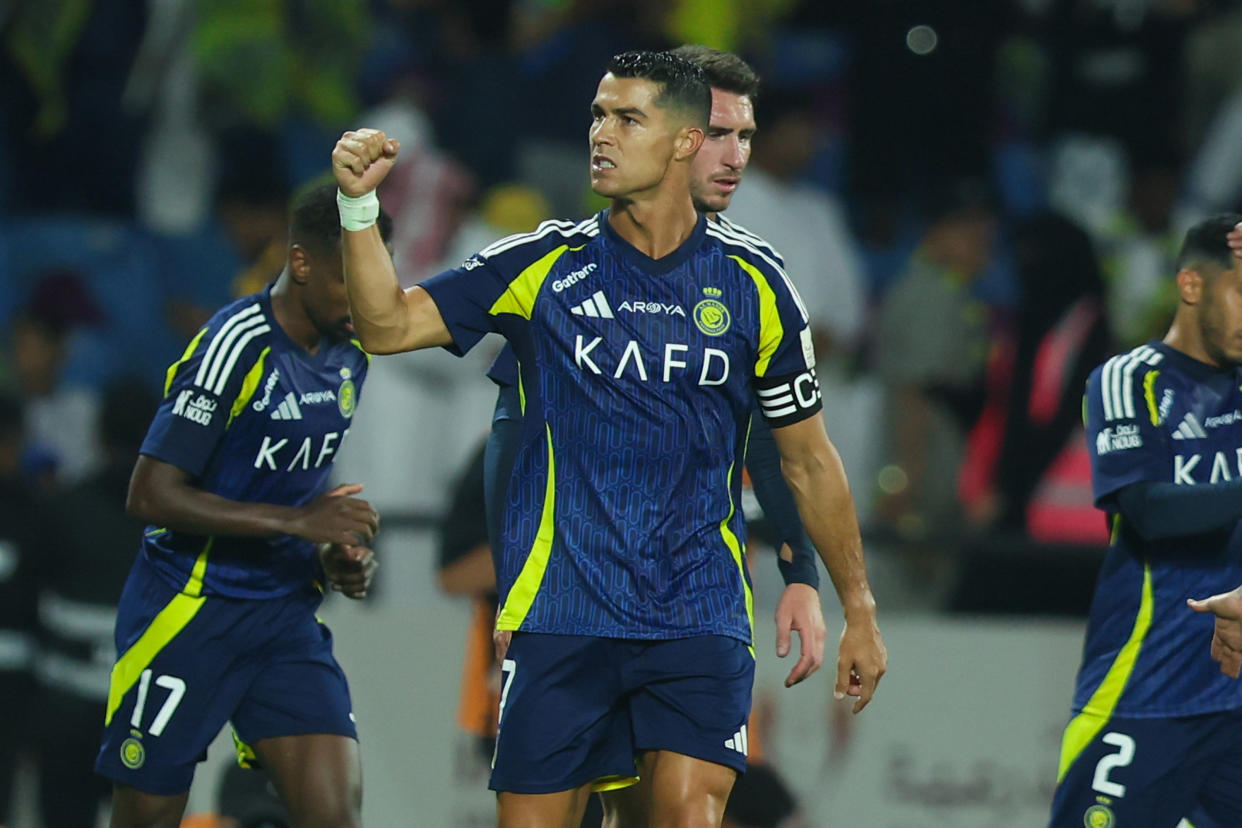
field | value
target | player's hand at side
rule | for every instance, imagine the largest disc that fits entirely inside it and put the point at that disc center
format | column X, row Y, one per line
column 1227, row 634
column 1235, row 244
column 500, row 640
column 349, row 569
column 861, row 653
column 361, row 160
column 337, row 517
column 799, row 610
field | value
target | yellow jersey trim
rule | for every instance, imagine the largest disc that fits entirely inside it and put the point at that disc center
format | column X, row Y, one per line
column 357, row 343
column 522, row 596
column 519, row 296
column 613, row 783
column 1149, row 394
column 250, row 384
column 739, row 557
column 1084, row 727
column 771, row 331
column 171, row 373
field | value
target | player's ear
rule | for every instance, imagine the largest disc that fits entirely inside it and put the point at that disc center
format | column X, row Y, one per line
column 687, row 142
column 299, row 264
column 1190, row 286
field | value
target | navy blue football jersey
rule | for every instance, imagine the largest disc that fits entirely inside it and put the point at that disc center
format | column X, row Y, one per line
column 251, row 416
column 1156, row 415
column 637, row 379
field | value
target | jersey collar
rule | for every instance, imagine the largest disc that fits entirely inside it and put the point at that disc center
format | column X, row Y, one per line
column 641, row 260
column 1199, row 371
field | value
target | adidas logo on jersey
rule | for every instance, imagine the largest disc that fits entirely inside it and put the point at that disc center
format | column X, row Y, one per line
column 288, row 409
column 596, row 306
column 738, row 742
column 1189, row 428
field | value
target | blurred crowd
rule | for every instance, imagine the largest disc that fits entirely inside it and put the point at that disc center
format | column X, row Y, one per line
column 978, row 202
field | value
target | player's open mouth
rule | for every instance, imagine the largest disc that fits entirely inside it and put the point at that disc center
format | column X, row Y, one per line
column 599, row 164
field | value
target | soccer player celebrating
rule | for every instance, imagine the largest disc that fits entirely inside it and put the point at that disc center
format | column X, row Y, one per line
column 1156, row 729
column 715, row 174
column 642, row 336
column 217, row 620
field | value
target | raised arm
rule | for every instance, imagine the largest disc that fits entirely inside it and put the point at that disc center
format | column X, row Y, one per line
column 387, row 319
column 816, row 477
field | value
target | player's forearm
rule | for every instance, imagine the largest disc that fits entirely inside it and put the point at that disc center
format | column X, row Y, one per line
column 196, row 512
column 1159, row 511
column 377, row 302
column 763, row 461
column 817, row 480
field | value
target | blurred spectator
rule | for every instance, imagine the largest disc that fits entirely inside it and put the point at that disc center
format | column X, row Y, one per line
column 20, row 545
column 63, row 68
column 1035, row 382
column 823, row 262
column 92, row 543
column 931, row 348
column 60, row 437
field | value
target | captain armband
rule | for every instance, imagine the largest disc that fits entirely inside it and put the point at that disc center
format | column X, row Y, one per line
column 788, row 399
column 358, row 213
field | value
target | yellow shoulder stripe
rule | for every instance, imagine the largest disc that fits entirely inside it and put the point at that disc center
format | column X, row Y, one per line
column 171, row 373
column 250, row 384
column 1149, row 394
column 519, row 296
column 771, row 331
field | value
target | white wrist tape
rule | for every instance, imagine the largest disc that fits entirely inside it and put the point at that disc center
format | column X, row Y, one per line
column 358, row 213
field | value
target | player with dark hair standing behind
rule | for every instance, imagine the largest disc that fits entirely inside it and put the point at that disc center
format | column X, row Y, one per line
column 642, row 336
column 217, row 620
column 1157, row 731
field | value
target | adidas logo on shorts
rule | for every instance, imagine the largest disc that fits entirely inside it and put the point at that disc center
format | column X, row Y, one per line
column 738, row 742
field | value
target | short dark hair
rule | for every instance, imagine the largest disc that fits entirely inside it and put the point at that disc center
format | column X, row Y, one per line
column 1205, row 243
column 315, row 222
column 724, row 70
column 684, row 85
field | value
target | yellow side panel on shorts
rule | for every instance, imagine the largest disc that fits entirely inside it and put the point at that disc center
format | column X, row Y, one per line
column 249, row 385
column 771, row 331
column 171, row 374
column 526, row 587
column 164, row 628
column 739, row 557
column 519, row 296
column 613, row 783
column 1084, row 727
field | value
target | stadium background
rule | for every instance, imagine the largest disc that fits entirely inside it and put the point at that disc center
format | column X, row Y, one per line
column 908, row 159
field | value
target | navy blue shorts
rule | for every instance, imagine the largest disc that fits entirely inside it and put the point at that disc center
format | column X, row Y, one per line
column 1151, row 773
column 579, row 709
column 190, row 664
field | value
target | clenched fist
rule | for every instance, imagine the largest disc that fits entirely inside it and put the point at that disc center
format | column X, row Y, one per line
column 361, row 160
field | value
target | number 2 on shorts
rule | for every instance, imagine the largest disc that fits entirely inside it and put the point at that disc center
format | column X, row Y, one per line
column 176, row 689
column 1123, row 757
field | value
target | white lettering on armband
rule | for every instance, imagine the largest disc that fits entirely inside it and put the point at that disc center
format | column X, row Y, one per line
column 788, row 399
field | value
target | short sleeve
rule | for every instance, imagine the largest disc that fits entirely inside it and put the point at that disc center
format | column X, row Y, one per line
column 201, row 388
column 465, row 297
column 1124, row 439
column 784, row 374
